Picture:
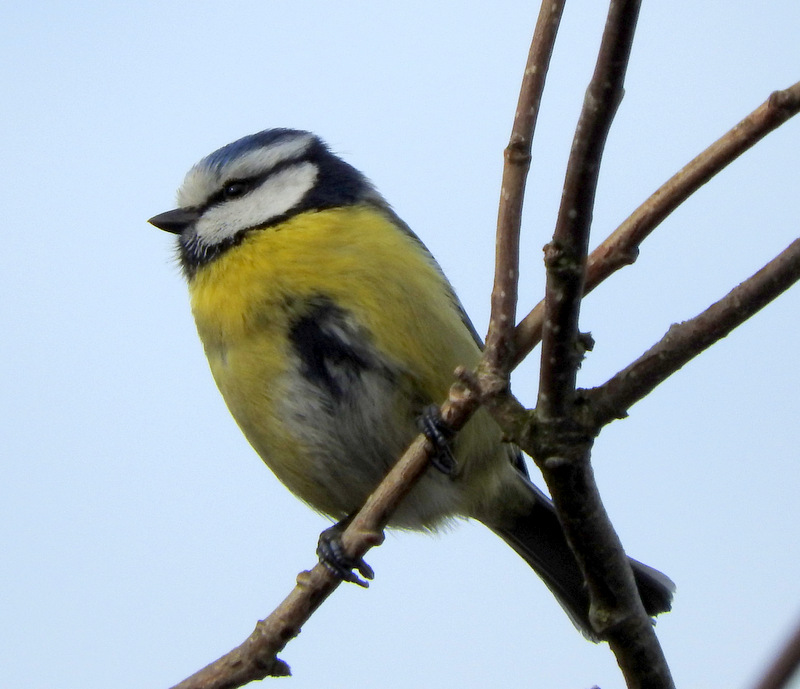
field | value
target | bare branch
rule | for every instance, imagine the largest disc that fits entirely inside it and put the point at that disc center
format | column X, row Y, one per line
column 784, row 666
column 256, row 658
column 562, row 446
column 565, row 256
column 622, row 246
column 500, row 338
column 686, row 340
column 616, row 609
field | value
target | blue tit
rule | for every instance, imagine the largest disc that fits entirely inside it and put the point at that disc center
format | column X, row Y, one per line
column 329, row 329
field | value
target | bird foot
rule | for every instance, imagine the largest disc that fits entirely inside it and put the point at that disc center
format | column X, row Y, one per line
column 434, row 428
column 332, row 555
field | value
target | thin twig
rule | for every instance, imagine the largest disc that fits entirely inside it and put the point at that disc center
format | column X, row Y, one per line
column 686, row 340
column 500, row 338
column 565, row 256
column 622, row 247
column 256, row 658
column 784, row 666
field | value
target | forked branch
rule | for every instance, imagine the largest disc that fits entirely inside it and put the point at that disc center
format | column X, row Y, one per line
column 622, row 247
column 257, row 658
column 561, row 446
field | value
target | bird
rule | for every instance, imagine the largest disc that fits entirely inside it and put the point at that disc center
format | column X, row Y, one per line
column 330, row 331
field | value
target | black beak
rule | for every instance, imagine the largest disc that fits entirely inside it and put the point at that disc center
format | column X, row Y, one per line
column 175, row 221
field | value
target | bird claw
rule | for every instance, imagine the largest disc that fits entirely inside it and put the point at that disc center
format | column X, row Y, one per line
column 333, row 557
column 434, row 428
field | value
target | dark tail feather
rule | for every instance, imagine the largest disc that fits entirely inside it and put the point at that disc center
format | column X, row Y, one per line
column 538, row 538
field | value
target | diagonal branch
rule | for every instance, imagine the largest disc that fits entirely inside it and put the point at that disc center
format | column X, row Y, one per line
column 686, row 340
column 785, row 665
column 256, row 658
column 622, row 247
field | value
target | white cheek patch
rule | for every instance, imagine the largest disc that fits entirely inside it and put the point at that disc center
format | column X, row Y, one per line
column 277, row 195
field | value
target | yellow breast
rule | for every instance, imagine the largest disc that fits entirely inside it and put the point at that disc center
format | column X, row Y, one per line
column 363, row 263
column 246, row 300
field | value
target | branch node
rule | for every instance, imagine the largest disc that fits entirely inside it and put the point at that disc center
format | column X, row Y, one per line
column 304, row 579
column 468, row 379
column 371, row 537
column 517, row 152
column 491, row 384
column 786, row 99
column 616, row 256
column 554, row 462
column 585, row 343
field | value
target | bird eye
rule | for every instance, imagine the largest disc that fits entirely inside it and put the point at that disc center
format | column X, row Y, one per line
column 235, row 189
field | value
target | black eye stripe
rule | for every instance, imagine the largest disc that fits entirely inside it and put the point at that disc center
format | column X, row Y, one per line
column 234, row 189
column 248, row 183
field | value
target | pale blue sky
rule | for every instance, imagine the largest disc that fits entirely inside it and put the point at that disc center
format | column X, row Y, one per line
column 141, row 537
